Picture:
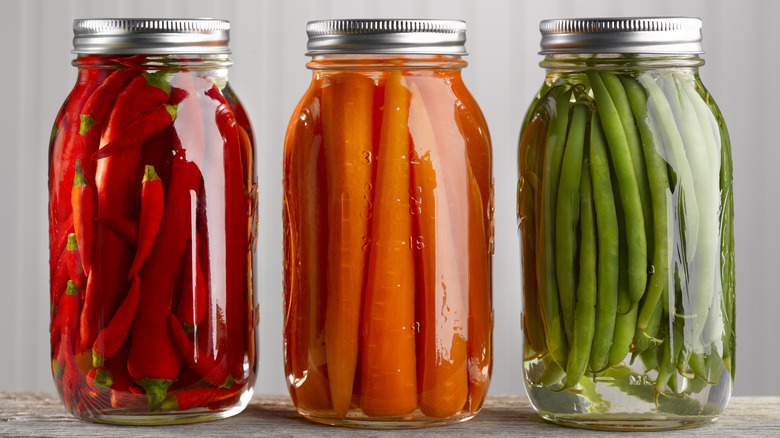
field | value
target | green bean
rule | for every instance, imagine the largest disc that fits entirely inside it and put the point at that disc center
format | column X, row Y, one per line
column 661, row 111
column 661, row 197
column 625, row 324
column 553, row 327
column 648, row 337
column 585, row 308
column 627, row 184
column 568, row 215
column 619, row 97
column 607, row 234
column 671, row 351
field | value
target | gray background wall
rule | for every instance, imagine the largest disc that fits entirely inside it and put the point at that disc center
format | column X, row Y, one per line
column 268, row 42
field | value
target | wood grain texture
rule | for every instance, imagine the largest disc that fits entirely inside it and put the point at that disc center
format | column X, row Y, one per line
column 42, row 414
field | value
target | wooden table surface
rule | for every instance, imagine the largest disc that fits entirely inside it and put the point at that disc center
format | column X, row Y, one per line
column 42, row 414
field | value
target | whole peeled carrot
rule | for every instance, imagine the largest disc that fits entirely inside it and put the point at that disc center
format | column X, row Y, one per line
column 442, row 364
column 306, row 224
column 388, row 384
column 82, row 200
column 347, row 110
column 152, row 200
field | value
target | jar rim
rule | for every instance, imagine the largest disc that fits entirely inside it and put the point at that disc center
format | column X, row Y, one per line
column 151, row 36
column 641, row 35
column 386, row 36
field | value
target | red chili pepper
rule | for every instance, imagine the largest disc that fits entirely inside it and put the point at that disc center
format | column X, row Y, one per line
column 57, row 243
column 83, row 202
column 152, row 201
column 114, row 334
column 126, row 228
column 73, row 262
column 213, row 371
column 69, row 307
column 153, row 360
column 68, row 150
column 235, row 242
column 118, row 194
column 193, row 398
column 192, row 304
column 124, row 393
column 139, row 130
column 96, row 107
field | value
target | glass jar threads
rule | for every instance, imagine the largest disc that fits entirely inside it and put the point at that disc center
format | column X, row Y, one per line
column 625, row 211
column 152, row 213
column 387, row 229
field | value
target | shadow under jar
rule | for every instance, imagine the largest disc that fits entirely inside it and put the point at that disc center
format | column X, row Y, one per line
column 387, row 229
column 625, row 211
column 152, row 219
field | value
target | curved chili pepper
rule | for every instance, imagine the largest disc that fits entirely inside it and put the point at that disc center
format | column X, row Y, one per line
column 192, row 304
column 213, row 371
column 73, row 262
column 152, row 200
column 113, row 335
column 96, row 107
column 99, row 379
column 139, row 130
column 194, row 398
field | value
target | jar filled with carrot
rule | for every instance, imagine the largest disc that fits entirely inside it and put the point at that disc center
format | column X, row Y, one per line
column 625, row 210
column 152, row 225
column 387, row 229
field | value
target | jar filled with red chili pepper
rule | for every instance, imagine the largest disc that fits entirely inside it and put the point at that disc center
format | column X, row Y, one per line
column 152, row 227
column 387, row 229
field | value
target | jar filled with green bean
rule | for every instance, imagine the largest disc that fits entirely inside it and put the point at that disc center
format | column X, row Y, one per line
column 625, row 212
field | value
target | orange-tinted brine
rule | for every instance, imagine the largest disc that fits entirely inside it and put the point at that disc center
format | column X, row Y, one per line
column 388, row 243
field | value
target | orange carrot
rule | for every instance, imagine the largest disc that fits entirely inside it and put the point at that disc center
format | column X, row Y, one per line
column 388, row 364
column 442, row 366
column 480, row 308
column 305, row 220
column 473, row 128
column 347, row 107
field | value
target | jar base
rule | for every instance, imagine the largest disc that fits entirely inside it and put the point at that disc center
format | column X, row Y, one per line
column 627, row 422
column 198, row 415
column 358, row 420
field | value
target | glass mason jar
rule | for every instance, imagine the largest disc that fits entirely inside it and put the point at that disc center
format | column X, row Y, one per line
column 152, row 222
column 387, row 229
column 625, row 211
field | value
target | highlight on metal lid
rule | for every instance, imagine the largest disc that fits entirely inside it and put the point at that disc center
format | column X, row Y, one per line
column 645, row 35
column 387, row 36
column 151, row 36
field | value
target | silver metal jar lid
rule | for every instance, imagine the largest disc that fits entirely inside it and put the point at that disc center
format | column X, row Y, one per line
column 387, row 36
column 646, row 35
column 150, row 36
